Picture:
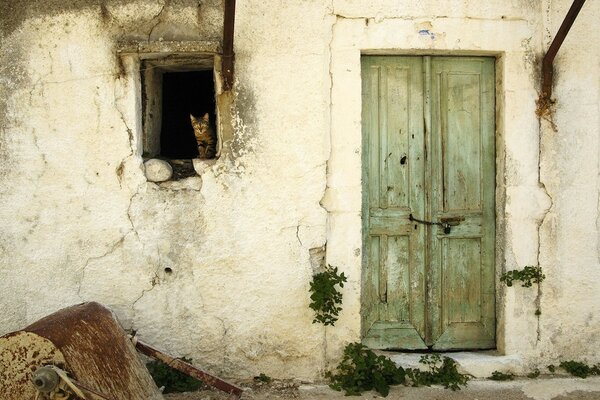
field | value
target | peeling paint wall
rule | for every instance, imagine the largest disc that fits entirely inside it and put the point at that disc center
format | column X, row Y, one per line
column 217, row 267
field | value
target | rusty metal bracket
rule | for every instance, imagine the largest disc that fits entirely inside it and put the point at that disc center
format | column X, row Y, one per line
column 547, row 68
column 228, row 54
column 188, row 369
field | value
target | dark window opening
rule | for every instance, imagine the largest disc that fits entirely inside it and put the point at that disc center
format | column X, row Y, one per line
column 185, row 93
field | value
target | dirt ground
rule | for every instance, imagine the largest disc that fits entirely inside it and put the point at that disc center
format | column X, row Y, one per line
column 538, row 389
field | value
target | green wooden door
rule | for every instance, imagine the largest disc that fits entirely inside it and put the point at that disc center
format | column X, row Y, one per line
column 428, row 202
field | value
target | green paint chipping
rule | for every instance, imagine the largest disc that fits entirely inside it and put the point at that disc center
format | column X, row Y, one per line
column 325, row 296
column 528, row 276
column 172, row 380
column 362, row 370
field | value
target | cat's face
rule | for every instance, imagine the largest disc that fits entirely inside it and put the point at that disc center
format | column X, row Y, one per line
column 203, row 135
column 200, row 125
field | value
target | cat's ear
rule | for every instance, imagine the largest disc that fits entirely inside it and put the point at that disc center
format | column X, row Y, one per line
column 193, row 119
column 205, row 117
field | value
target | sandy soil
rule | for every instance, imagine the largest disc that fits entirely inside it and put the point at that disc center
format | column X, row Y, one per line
column 539, row 389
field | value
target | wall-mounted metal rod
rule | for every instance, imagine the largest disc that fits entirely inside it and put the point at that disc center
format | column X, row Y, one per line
column 228, row 55
column 547, row 69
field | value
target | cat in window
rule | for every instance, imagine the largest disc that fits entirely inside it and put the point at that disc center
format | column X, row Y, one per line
column 205, row 136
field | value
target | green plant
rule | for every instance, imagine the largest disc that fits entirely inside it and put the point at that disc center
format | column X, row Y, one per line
column 501, row 376
column 534, row 374
column 441, row 371
column 263, row 378
column 527, row 276
column 580, row 369
column 172, row 380
column 551, row 368
column 325, row 297
column 361, row 370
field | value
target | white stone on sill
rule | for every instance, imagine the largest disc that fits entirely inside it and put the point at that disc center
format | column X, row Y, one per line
column 479, row 364
column 158, row 170
column 201, row 165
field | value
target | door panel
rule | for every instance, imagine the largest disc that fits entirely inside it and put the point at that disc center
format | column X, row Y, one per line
column 394, row 286
column 462, row 262
column 422, row 286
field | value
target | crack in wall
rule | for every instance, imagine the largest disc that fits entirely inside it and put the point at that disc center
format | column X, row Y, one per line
column 155, row 281
column 380, row 18
column 330, row 145
column 133, row 228
column 542, row 186
column 120, row 169
column 111, row 250
column 129, row 130
column 159, row 17
column 330, row 105
column 298, row 235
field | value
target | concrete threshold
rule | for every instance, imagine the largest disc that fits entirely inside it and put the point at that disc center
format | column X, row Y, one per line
column 478, row 364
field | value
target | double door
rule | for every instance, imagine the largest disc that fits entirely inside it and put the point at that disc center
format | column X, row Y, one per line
column 428, row 202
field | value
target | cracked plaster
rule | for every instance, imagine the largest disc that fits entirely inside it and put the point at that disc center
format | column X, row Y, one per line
column 217, row 267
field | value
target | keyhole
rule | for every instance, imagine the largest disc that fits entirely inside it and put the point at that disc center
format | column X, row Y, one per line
column 403, row 160
column 447, row 229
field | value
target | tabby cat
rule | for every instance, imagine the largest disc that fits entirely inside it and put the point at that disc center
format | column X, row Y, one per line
column 205, row 136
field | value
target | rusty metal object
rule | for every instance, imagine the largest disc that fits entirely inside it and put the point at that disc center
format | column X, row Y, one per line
column 21, row 353
column 547, row 69
column 86, row 341
column 45, row 379
column 188, row 369
column 228, row 54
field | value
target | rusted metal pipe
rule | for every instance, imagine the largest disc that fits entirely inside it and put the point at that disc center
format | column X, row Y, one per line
column 188, row 369
column 228, row 54
column 547, row 69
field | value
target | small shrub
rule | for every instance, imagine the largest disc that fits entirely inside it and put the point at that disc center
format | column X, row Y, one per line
column 551, row 368
column 501, row 376
column 361, row 370
column 263, row 378
column 442, row 371
column 173, row 381
column 534, row 374
column 580, row 369
column 325, row 296
column 527, row 276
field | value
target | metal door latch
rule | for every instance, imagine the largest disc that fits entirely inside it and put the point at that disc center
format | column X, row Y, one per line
column 446, row 222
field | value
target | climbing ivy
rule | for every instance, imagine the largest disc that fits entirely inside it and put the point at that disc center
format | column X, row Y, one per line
column 527, row 276
column 325, row 297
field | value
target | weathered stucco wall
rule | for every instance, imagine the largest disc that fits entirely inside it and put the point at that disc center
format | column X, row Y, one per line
column 80, row 221
column 570, row 323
